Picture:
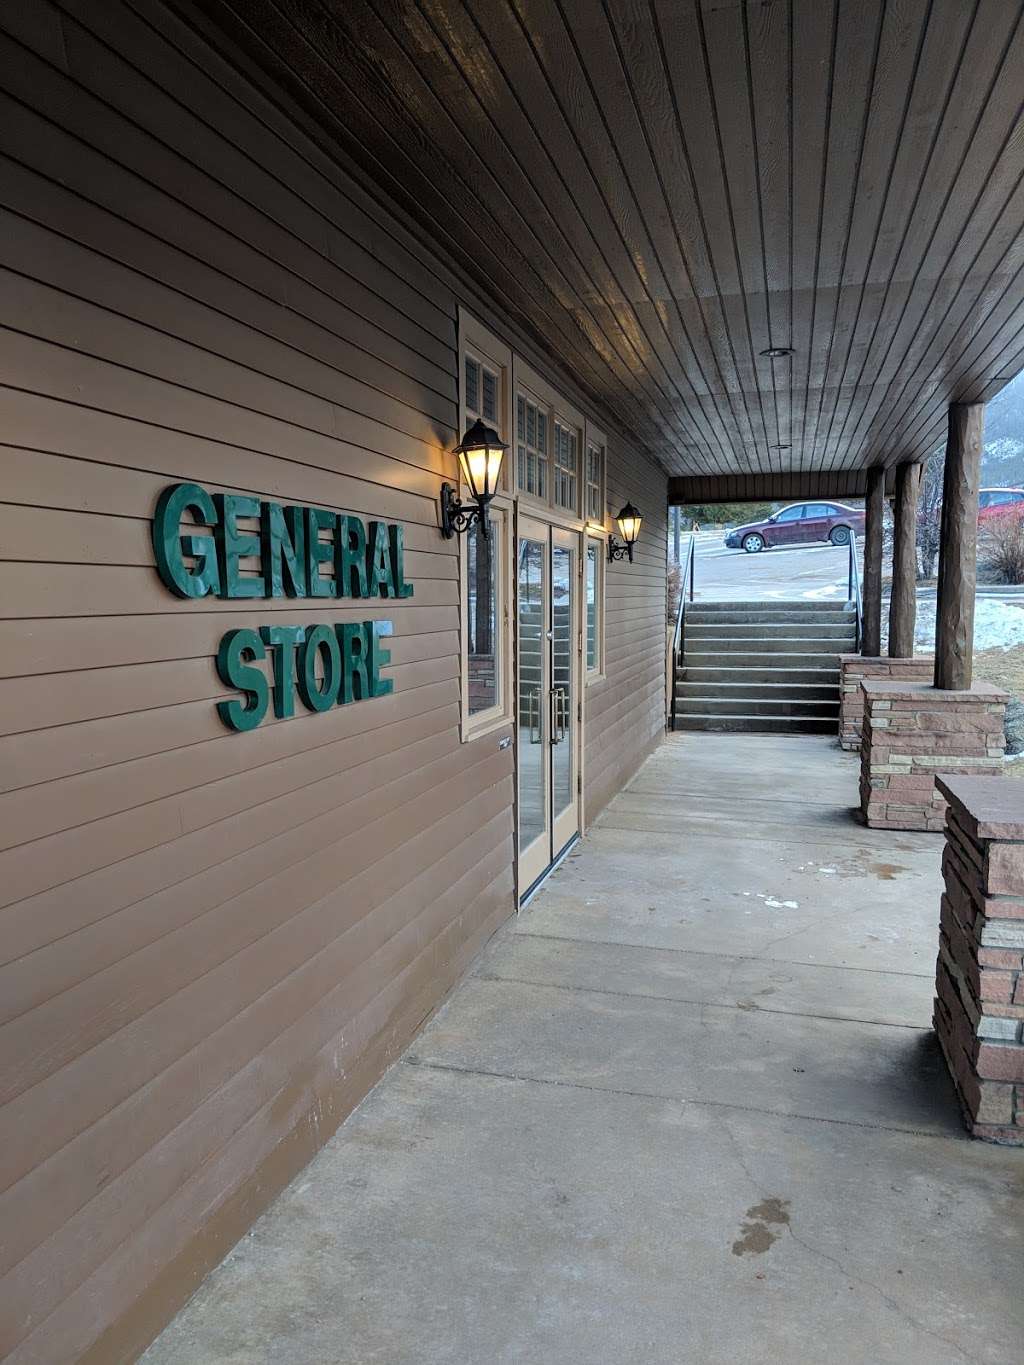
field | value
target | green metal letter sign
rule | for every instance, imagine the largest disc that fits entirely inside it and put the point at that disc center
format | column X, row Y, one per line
column 236, row 671
column 169, row 544
column 378, row 561
column 317, row 695
column 284, row 639
column 350, row 561
column 283, row 543
column 236, row 544
column 318, row 551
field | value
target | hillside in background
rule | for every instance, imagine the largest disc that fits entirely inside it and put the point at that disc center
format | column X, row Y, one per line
column 1003, row 459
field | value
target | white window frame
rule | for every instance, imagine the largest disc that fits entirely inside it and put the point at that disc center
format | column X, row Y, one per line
column 557, row 409
column 594, row 672
column 596, row 535
column 483, row 346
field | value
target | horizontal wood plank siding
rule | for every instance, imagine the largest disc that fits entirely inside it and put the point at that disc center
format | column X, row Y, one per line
column 625, row 709
column 212, row 943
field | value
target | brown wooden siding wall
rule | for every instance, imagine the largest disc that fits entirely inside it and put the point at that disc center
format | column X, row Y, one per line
column 625, row 711
column 211, row 944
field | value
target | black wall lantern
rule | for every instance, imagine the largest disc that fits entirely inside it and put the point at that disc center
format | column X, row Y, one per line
column 629, row 522
column 479, row 452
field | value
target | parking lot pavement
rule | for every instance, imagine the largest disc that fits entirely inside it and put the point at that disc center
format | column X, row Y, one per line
column 815, row 572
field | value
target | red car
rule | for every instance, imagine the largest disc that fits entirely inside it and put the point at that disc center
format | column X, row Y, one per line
column 800, row 523
column 1000, row 502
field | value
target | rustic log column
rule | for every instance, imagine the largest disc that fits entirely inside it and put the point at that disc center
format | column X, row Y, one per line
column 958, row 548
column 903, row 602
column 874, row 506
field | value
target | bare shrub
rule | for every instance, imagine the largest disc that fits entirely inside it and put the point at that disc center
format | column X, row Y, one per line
column 1004, row 547
column 675, row 583
column 929, row 515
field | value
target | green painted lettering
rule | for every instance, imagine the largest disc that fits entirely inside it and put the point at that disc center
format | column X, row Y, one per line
column 378, row 561
column 318, row 551
column 169, row 544
column 319, row 695
column 283, row 640
column 283, row 542
column 236, row 545
column 350, row 565
column 379, row 657
column 396, row 535
column 236, row 670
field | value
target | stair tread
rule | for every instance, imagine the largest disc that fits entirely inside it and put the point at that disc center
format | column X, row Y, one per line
column 784, row 688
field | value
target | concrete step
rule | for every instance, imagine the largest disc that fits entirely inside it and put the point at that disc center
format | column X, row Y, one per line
column 753, row 657
column 720, row 705
column 698, row 616
column 758, row 725
column 756, row 675
column 842, row 631
column 757, row 691
column 764, row 645
column 761, row 604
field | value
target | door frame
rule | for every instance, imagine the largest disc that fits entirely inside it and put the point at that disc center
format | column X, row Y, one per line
column 537, row 860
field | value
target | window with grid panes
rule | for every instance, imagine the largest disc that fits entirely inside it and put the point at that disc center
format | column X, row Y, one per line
column 566, row 466
column 481, row 391
column 594, row 509
column 531, row 448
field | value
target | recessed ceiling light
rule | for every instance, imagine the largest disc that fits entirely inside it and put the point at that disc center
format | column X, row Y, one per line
column 777, row 352
column 781, row 447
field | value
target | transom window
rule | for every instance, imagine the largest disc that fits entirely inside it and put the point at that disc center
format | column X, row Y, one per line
column 566, row 466
column 531, row 448
column 482, row 389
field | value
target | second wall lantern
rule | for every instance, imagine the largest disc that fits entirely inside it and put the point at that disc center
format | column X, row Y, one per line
column 629, row 522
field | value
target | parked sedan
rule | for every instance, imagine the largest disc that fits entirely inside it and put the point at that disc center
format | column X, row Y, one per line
column 800, row 523
column 995, row 503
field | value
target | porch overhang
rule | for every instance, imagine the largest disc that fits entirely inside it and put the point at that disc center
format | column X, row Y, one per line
column 767, row 241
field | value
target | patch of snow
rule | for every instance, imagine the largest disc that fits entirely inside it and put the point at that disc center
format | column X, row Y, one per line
column 997, row 625
column 773, row 904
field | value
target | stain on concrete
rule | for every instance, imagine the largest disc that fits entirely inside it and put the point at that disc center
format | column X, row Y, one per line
column 756, row 1232
column 887, row 872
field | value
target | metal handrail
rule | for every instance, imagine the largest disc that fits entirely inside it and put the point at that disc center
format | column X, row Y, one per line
column 678, row 637
column 853, row 586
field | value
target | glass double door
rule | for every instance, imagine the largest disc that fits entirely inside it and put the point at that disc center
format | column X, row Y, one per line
column 547, row 695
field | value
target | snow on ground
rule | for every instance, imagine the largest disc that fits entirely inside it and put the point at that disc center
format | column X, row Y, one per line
column 997, row 625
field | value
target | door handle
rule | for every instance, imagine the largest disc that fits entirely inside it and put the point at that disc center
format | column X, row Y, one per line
column 559, row 714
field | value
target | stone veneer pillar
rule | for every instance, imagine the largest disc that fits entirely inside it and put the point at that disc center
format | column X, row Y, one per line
column 979, row 1001
column 854, row 668
column 913, row 731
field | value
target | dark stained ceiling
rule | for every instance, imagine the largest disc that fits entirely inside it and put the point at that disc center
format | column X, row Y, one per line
column 661, row 190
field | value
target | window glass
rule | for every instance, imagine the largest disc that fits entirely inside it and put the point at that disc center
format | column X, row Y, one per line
column 790, row 514
column 818, row 509
column 483, row 638
column 594, row 565
column 566, row 466
column 593, row 510
column 472, row 386
column 481, row 391
column 531, row 448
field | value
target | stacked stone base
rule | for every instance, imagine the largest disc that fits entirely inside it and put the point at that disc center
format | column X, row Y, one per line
column 911, row 732
column 979, row 1004
column 853, row 669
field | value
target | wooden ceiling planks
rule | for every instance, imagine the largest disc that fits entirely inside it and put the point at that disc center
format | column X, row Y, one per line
column 660, row 190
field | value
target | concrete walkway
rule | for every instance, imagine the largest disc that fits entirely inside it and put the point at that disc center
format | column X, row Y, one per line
column 687, row 1109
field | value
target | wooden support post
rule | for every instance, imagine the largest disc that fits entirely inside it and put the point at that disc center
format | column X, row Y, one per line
column 874, row 506
column 958, row 549
column 903, row 602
